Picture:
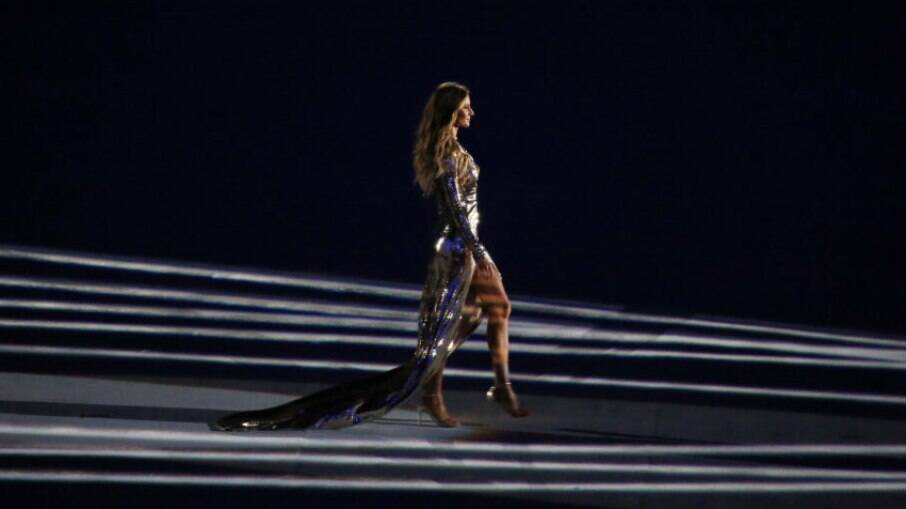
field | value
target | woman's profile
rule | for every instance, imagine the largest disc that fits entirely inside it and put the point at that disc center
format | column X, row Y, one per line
column 462, row 285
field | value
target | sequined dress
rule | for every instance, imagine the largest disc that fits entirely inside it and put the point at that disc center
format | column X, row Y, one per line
column 439, row 333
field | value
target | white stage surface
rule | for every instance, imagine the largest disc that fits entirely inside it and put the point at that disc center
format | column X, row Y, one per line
column 112, row 369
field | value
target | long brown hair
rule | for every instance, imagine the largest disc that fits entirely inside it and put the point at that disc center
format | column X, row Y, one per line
column 435, row 139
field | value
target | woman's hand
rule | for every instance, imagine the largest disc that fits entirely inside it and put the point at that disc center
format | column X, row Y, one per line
column 486, row 268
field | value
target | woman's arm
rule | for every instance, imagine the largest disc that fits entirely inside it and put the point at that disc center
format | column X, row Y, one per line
column 457, row 211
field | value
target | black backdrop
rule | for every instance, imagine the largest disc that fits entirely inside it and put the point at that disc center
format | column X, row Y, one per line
column 733, row 158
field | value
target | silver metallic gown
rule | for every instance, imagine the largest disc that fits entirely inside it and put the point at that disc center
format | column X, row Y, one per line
column 440, row 332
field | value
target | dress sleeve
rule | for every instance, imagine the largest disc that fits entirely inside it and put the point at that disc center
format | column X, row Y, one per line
column 452, row 200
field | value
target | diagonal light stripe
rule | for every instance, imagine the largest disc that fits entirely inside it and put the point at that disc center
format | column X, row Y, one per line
column 529, row 348
column 411, row 293
column 197, row 270
column 445, row 463
column 880, row 355
column 199, row 313
column 518, row 329
column 324, row 440
column 207, row 298
column 592, row 334
column 712, row 357
column 589, row 381
column 410, row 484
column 705, row 323
column 384, row 341
column 201, row 332
column 209, row 314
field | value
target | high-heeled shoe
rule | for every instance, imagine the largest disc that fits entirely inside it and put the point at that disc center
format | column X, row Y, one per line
column 433, row 405
column 504, row 396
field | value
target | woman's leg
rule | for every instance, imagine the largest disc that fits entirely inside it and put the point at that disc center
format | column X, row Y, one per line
column 432, row 390
column 433, row 399
column 493, row 300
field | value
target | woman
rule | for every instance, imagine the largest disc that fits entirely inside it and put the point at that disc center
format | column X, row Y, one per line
column 462, row 284
column 445, row 170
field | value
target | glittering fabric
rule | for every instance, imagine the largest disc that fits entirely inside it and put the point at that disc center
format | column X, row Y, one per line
column 441, row 310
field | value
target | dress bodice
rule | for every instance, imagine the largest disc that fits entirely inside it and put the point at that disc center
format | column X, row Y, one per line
column 457, row 203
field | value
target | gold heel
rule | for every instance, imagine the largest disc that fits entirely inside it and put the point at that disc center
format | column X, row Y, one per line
column 434, row 407
column 504, row 396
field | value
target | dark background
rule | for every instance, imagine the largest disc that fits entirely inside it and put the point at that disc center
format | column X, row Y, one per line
column 719, row 157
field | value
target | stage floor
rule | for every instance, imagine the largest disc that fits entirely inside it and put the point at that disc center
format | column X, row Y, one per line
column 111, row 371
